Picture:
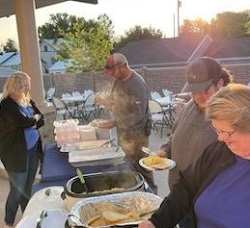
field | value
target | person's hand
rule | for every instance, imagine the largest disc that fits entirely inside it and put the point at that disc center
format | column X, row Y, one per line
column 37, row 117
column 146, row 224
column 161, row 153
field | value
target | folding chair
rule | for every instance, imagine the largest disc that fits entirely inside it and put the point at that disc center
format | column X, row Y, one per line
column 62, row 109
column 88, row 108
column 157, row 116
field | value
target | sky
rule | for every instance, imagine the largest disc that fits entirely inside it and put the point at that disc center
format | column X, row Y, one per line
column 125, row 14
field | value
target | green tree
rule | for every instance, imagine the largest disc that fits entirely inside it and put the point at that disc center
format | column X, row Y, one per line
column 10, row 46
column 58, row 22
column 88, row 44
column 230, row 24
column 138, row 33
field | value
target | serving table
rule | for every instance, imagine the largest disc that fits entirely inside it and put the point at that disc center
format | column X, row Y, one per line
column 47, row 194
column 56, row 169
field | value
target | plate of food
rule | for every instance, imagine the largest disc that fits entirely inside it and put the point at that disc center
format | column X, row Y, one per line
column 156, row 163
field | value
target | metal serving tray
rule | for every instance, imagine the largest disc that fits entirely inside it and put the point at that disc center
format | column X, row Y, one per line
column 97, row 156
column 143, row 203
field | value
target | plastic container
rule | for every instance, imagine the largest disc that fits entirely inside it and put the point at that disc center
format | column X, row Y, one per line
column 87, row 133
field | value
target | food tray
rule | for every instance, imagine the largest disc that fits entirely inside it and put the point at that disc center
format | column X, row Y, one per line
column 143, row 203
column 98, row 156
column 105, row 183
column 85, row 145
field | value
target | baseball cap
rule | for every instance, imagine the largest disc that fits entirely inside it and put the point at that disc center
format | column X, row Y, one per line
column 114, row 60
column 201, row 74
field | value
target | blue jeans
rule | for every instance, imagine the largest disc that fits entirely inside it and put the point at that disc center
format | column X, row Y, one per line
column 21, row 186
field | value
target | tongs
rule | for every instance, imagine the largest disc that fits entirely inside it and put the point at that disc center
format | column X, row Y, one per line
column 146, row 150
column 109, row 141
column 42, row 216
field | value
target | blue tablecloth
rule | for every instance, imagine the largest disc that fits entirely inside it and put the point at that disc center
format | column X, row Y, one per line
column 56, row 167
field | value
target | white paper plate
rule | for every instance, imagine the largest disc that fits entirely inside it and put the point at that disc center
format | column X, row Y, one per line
column 171, row 164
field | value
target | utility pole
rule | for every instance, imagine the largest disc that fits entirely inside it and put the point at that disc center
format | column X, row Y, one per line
column 174, row 24
column 178, row 16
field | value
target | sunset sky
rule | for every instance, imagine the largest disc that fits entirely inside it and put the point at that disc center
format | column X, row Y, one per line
column 125, row 14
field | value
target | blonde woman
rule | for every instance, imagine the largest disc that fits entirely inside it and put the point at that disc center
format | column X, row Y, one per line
column 215, row 188
column 20, row 144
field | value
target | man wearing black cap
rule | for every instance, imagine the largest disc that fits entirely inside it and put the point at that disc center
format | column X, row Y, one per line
column 129, row 105
column 192, row 133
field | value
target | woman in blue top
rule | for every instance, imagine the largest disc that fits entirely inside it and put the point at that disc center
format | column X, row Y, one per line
column 20, row 144
column 214, row 190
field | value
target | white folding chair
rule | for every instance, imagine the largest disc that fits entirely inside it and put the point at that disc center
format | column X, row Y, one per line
column 88, row 92
column 50, row 93
column 154, row 95
column 76, row 94
column 157, row 115
column 62, row 110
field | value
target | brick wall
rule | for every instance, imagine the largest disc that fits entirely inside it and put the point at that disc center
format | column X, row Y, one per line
column 172, row 78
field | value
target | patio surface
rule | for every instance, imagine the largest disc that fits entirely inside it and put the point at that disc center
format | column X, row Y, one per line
column 161, row 177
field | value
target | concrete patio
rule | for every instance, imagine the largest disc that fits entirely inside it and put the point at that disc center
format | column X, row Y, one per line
column 161, row 177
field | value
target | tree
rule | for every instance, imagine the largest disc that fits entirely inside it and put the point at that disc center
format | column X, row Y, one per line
column 10, row 46
column 88, row 44
column 138, row 33
column 230, row 24
column 226, row 24
column 58, row 22
column 198, row 27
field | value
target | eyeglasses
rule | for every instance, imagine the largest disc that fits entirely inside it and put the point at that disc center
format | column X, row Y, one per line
column 226, row 134
column 112, row 67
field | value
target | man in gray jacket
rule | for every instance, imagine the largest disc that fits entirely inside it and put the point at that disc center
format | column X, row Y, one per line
column 191, row 132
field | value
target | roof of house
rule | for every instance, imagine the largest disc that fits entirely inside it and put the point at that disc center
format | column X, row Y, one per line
column 161, row 52
column 53, row 43
column 59, row 66
column 228, row 48
column 5, row 56
column 15, row 60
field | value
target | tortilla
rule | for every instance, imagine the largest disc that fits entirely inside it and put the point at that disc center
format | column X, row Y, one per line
column 156, row 162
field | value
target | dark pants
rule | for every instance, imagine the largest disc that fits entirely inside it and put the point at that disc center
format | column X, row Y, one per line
column 185, row 223
column 132, row 143
column 21, row 186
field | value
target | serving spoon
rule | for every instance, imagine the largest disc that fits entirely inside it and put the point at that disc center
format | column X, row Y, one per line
column 82, row 180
